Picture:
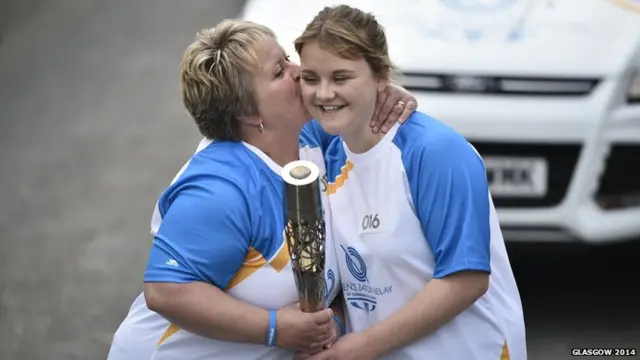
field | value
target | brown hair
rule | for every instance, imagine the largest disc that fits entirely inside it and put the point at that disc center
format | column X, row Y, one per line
column 352, row 34
column 217, row 77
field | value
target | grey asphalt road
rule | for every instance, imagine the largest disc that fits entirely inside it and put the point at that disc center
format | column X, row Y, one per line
column 92, row 129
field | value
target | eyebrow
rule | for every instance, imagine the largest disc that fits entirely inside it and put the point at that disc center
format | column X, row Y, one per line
column 335, row 72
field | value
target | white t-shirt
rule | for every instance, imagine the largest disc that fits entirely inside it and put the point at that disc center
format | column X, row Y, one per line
column 413, row 208
column 222, row 221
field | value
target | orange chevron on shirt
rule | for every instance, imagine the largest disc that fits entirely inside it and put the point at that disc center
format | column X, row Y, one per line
column 340, row 179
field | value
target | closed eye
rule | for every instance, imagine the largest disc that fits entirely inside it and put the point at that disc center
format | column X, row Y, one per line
column 309, row 79
column 281, row 67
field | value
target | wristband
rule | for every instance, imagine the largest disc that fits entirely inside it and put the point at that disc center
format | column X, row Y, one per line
column 271, row 333
column 340, row 324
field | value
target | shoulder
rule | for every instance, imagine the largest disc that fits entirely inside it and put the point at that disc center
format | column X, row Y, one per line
column 424, row 140
column 425, row 133
column 224, row 172
column 335, row 158
column 312, row 135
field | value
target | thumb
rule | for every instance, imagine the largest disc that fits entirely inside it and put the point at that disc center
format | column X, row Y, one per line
column 322, row 317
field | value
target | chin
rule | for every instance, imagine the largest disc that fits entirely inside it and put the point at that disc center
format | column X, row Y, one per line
column 332, row 127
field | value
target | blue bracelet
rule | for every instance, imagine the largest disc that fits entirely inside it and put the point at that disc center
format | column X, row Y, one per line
column 271, row 334
column 340, row 325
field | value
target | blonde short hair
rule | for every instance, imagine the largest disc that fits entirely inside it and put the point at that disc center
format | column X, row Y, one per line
column 217, row 77
column 352, row 34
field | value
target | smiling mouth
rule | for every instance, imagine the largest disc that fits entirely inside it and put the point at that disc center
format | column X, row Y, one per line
column 331, row 108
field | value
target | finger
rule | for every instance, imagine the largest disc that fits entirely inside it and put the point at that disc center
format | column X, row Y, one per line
column 313, row 347
column 330, row 340
column 409, row 109
column 321, row 332
column 389, row 104
column 393, row 117
column 310, row 349
column 327, row 339
column 326, row 328
column 322, row 317
column 324, row 335
column 318, row 342
column 380, row 100
column 325, row 355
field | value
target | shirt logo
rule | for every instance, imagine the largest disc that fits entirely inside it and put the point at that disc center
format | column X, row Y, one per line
column 329, row 284
column 172, row 262
column 323, row 183
column 361, row 294
column 355, row 264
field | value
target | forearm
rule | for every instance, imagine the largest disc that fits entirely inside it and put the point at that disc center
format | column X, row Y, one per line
column 205, row 310
column 437, row 304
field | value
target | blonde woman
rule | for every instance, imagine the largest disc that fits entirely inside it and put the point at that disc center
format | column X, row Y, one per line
column 218, row 283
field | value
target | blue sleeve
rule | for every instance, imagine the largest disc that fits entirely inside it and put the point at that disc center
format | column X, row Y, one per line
column 204, row 235
column 315, row 130
column 451, row 198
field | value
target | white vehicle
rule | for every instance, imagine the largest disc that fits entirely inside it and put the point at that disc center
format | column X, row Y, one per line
column 547, row 91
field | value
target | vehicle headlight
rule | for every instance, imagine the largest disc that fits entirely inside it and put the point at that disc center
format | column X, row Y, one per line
column 633, row 95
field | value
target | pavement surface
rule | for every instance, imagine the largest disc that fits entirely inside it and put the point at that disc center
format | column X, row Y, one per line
column 92, row 129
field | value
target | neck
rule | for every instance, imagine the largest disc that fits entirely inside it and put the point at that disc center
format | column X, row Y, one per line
column 282, row 147
column 362, row 139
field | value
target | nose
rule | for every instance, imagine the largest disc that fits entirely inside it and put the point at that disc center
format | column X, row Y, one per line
column 294, row 70
column 325, row 91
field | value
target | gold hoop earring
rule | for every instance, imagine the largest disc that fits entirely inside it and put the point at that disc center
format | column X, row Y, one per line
column 261, row 128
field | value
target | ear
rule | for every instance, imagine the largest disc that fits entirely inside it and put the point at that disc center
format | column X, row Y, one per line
column 251, row 121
